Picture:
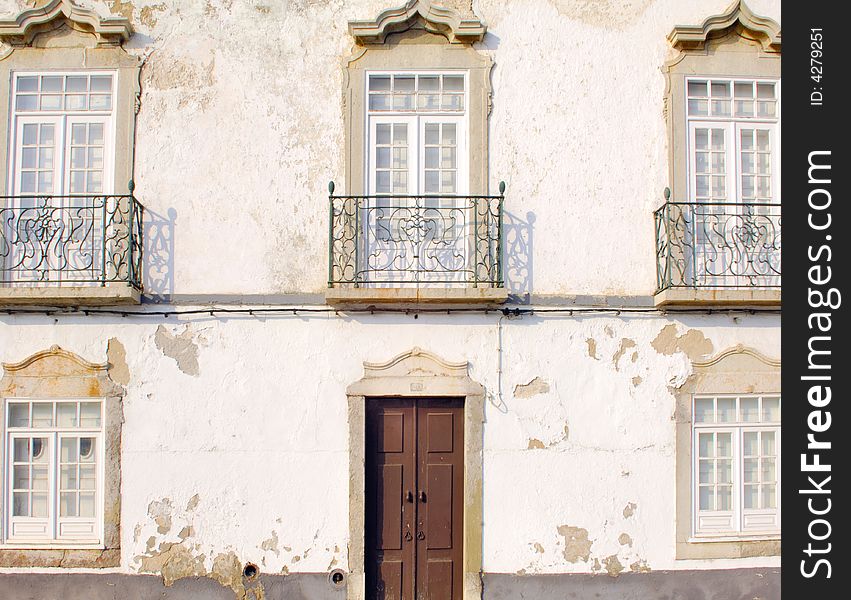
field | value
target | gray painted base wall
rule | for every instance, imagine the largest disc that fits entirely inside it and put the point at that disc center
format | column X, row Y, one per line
column 730, row 584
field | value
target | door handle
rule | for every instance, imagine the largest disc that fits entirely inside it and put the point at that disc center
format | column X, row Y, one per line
column 420, row 535
column 422, row 496
column 409, row 496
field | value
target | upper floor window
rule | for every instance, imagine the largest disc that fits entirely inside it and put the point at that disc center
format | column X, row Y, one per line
column 63, row 133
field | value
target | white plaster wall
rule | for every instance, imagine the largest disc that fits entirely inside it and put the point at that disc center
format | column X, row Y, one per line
column 241, row 128
column 259, row 434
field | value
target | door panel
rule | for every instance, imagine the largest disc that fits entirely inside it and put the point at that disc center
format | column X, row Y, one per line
column 414, row 498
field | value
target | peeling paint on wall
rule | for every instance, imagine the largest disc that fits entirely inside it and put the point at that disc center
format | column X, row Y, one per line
column 613, row 565
column 160, row 511
column 693, row 343
column 533, row 388
column 535, row 444
column 625, row 540
column 629, row 510
column 577, row 546
column 640, row 566
column 116, row 355
column 606, row 14
column 592, row 348
column 626, row 343
column 182, row 348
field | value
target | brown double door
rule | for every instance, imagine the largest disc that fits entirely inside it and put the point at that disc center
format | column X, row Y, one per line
column 414, row 498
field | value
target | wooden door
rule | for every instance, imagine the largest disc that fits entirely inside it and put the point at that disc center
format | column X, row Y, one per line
column 414, row 499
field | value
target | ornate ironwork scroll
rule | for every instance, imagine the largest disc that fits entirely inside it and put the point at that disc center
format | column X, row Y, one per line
column 70, row 240
column 718, row 245
column 426, row 240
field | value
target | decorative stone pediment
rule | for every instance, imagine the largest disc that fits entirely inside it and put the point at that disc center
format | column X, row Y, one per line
column 738, row 358
column 56, row 373
column 54, row 362
column 738, row 16
column 424, row 14
column 415, row 363
column 22, row 29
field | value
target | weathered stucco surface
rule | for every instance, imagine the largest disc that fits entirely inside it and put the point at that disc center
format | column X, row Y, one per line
column 235, row 444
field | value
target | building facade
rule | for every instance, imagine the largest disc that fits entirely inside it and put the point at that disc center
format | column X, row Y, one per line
column 524, row 344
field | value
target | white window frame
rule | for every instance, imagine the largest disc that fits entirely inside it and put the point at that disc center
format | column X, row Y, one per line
column 63, row 119
column 54, row 434
column 738, row 515
column 733, row 126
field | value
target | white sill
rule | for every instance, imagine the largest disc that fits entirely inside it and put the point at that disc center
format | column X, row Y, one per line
column 735, row 538
column 51, row 546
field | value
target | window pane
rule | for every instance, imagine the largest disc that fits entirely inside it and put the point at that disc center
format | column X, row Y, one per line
column 429, row 83
column 26, row 102
column 447, row 158
column 705, row 445
column 51, row 102
column 721, row 108
column 87, row 477
column 87, row 505
column 698, row 107
column 382, row 133
column 96, row 134
column 431, row 157
column 771, row 409
column 400, row 133
column 765, row 90
column 78, row 134
column 76, row 83
column 750, row 443
column 30, row 134
column 75, row 102
column 95, row 182
column 68, row 504
column 725, row 444
column 90, row 414
column 45, row 186
column 87, row 449
column 68, row 477
column 101, row 83
column 39, row 478
column 726, row 410
column 45, row 158
column 382, row 158
column 447, row 182
column 769, row 496
column 725, row 497
column 403, row 83
column 42, row 415
column 453, row 83
column 749, row 406
column 750, row 470
column 724, row 471
column 78, row 182
column 68, row 450
column 400, row 158
column 379, row 102
column 382, row 182
column 743, row 90
column 707, row 498
column 762, row 141
column 28, row 183
column 432, row 182
column 697, row 88
column 768, row 473
column 20, row 505
column 432, row 134
column 449, row 134
column 46, row 135
column 22, row 450
column 706, row 471
column 751, row 493
column 21, row 478
column 19, row 414
column 379, row 83
column 39, row 505
column 768, row 443
column 28, row 84
column 720, row 89
column 100, row 102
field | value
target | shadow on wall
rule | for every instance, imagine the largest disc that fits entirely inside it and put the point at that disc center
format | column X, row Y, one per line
column 158, row 274
column 518, row 256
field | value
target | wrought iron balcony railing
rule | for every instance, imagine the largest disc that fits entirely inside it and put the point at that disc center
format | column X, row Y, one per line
column 70, row 240
column 404, row 240
column 717, row 245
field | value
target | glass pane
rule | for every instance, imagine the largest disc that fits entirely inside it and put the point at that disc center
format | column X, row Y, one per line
column 87, row 450
column 101, row 83
column 28, row 182
column 68, row 450
column 743, row 90
column 725, row 497
column 66, row 414
column 46, row 135
column 706, row 471
column 68, row 477
column 750, row 470
column 763, row 163
column 87, row 477
column 431, row 157
column 449, row 134
column 96, row 134
column 744, row 108
column 28, row 84
column 748, row 187
column 768, row 472
column 747, row 162
column 701, row 162
column 726, row 410
column 698, row 107
column 45, row 158
column 51, row 102
column 719, row 187
column 382, row 182
column 453, row 102
column 78, row 158
column 403, row 102
column 771, row 409
column 705, row 445
column 432, row 134
column 751, row 492
column 68, row 504
column 78, row 134
column 95, row 182
column 724, row 471
column 769, row 496
column 762, row 142
column 20, row 505
column 697, row 88
column 26, row 102
column 87, row 505
column 400, row 158
column 379, row 102
column 78, row 182
column 30, row 134
column 763, row 187
column 400, row 133
column 19, row 414
column 447, row 158
column 447, row 182
column 721, row 108
column 453, row 83
column 100, row 102
column 379, row 83
column 749, row 406
column 21, row 478
column 701, row 139
column 22, row 450
column 90, row 414
column 76, row 83
column 400, row 182
column 720, row 89
column 45, row 186
column 382, row 133
column 718, row 139
column 432, row 182
column 75, row 102
column 42, row 414
column 403, row 83
column 765, row 90
column 725, row 444
column 702, row 186
column 707, row 498
column 429, row 83
column 768, row 443
column 429, row 101
column 766, row 109
column 39, row 478
column 750, row 441
column 382, row 158
column 39, row 506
